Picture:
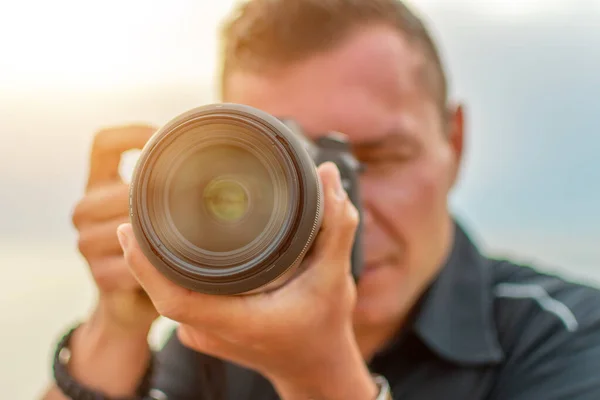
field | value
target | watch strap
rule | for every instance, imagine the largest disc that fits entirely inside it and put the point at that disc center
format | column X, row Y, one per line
column 76, row 391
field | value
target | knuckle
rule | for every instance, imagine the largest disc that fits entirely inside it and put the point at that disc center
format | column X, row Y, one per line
column 102, row 271
column 103, row 139
column 103, row 280
column 79, row 213
column 352, row 216
column 186, row 337
column 85, row 243
column 170, row 308
column 76, row 217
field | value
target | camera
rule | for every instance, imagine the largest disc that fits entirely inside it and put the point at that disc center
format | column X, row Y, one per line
column 225, row 198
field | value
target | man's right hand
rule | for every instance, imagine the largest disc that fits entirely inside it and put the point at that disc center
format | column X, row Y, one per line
column 109, row 352
column 103, row 208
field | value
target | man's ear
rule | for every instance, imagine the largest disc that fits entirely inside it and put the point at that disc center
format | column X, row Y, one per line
column 456, row 136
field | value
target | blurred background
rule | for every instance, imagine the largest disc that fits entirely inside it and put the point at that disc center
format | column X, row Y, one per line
column 528, row 71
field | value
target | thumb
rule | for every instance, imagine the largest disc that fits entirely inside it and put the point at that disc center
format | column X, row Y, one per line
column 333, row 246
column 221, row 313
column 165, row 294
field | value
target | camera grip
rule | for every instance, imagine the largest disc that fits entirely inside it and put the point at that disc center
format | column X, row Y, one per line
column 350, row 182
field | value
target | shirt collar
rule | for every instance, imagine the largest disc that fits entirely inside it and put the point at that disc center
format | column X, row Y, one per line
column 456, row 316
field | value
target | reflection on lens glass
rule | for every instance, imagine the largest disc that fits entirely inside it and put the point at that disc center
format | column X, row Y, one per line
column 223, row 195
column 204, row 193
column 226, row 200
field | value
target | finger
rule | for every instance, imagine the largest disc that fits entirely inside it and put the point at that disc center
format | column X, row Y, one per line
column 100, row 239
column 104, row 203
column 340, row 219
column 218, row 313
column 112, row 274
column 168, row 298
column 107, row 148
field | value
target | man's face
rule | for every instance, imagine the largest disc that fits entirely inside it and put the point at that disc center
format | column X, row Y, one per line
column 371, row 89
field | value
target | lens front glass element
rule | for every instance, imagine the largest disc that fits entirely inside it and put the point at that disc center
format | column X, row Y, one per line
column 226, row 199
column 221, row 195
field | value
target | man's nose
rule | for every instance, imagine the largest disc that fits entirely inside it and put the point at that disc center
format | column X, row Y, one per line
column 366, row 217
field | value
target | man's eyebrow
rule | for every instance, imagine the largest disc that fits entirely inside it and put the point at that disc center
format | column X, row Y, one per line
column 394, row 137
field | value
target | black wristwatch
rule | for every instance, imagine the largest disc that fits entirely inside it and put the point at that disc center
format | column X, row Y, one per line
column 73, row 389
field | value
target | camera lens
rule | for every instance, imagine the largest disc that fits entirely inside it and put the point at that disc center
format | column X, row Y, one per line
column 225, row 200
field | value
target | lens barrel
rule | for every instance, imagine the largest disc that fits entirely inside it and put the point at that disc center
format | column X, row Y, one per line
column 225, row 200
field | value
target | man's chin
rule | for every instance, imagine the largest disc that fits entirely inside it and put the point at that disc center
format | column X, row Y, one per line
column 373, row 312
column 379, row 297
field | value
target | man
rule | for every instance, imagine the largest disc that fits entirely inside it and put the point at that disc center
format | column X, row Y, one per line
column 430, row 315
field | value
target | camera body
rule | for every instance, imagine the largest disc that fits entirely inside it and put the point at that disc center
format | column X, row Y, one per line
column 334, row 147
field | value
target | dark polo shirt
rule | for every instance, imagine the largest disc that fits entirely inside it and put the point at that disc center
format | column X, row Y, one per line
column 485, row 329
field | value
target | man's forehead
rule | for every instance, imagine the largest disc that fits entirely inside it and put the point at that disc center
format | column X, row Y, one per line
column 354, row 113
column 357, row 88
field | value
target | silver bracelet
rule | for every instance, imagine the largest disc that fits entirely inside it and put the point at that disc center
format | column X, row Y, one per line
column 385, row 392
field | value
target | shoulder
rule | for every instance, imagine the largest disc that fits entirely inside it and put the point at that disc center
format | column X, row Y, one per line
column 539, row 299
column 549, row 329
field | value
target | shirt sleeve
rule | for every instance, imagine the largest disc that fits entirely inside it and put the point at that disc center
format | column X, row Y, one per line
column 555, row 358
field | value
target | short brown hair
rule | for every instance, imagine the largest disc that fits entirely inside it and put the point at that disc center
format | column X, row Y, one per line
column 262, row 33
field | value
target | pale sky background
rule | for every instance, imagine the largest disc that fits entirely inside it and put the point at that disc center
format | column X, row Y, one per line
column 528, row 71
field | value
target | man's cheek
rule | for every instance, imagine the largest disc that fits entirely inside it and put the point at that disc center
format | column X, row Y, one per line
column 416, row 188
column 397, row 207
column 409, row 196
column 430, row 187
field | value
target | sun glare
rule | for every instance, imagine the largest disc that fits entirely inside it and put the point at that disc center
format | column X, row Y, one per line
column 521, row 8
column 502, row 9
column 106, row 43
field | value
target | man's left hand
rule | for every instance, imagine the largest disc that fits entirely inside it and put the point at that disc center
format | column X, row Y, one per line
column 299, row 336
